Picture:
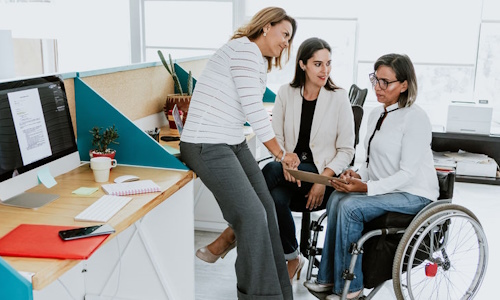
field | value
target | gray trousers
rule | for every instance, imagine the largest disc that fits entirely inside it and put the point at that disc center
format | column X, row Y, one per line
column 234, row 177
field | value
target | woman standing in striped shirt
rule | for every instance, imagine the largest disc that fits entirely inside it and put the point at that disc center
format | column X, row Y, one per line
column 228, row 93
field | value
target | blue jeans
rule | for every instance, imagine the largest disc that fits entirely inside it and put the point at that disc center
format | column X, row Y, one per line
column 289, row 197
column 347, row 213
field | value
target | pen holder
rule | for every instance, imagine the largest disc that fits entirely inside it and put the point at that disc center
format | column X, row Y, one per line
column 155, row 134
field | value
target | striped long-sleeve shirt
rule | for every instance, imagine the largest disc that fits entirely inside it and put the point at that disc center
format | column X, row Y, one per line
column 228, row 93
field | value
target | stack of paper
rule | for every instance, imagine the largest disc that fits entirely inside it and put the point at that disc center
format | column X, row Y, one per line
column 466, row 163
column 443, row 162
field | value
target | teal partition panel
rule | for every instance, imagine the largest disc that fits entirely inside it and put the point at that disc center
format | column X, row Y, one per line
column 13, row 286
column 183, row 78
column 135, row 146
column 269, row 96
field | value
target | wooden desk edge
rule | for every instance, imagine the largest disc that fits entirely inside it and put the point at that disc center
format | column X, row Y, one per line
column 55, row 271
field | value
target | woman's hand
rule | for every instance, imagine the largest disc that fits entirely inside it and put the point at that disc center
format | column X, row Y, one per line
column 287, row 175
column 350, row 173
column 353, row 183
column 291, row 160
column 315, row 196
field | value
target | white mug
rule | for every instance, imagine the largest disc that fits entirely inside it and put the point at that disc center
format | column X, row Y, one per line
column 101, row 165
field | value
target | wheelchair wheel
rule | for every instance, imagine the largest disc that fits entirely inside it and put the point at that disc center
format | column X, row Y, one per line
column 443, row 254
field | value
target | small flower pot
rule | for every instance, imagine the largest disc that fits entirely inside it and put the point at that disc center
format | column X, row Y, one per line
column 182, row 102
column 111, row 154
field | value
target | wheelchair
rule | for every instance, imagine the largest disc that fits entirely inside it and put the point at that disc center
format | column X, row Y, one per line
column 442, row 252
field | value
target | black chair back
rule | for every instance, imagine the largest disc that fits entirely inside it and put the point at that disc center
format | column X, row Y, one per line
column 357, row 96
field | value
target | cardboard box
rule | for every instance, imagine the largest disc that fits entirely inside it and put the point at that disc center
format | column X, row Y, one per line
column 468, row 168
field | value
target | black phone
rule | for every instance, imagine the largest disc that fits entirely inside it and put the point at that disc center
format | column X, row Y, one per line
column 83, row 232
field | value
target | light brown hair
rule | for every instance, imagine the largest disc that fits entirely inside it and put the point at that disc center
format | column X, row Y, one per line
column 254, row 28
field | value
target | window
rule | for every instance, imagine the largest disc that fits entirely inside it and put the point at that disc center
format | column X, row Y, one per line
column 186, row 28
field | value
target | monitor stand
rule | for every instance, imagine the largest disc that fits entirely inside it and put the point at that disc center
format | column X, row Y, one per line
column 30, row 200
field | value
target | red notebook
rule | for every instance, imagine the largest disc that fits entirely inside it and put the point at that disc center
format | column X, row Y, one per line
column 43, row 241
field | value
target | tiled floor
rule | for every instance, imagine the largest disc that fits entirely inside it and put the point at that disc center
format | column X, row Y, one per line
column 218, row 282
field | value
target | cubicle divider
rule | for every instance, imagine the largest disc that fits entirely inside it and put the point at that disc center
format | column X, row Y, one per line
column 135, row 146
column 13, row 286
column 269, row 96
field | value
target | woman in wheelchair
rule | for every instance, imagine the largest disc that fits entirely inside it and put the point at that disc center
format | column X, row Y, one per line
column 398, row 175
column 313, row 118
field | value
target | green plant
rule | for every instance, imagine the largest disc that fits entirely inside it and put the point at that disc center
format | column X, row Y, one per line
column 102, row 141
column 171, row 70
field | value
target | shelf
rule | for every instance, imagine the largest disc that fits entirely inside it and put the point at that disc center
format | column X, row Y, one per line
column 477, row 179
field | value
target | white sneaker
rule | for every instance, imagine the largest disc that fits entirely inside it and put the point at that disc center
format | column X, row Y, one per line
column 318, row 287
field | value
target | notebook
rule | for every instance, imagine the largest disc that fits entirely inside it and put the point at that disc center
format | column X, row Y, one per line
column 31, row 240
column 131, row 188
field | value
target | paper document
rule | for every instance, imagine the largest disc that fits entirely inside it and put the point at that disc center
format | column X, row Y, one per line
column 467, row 156
column 313, row 177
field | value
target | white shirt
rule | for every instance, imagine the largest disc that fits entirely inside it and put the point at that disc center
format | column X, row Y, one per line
column 229, row 93
column 400, row 158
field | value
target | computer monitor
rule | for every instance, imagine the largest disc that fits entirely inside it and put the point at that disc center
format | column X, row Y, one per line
column 36, row 133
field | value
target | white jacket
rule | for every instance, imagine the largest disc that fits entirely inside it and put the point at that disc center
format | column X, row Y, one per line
column 332, row 130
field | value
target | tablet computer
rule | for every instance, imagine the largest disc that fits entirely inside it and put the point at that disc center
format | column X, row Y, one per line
column 313, row 177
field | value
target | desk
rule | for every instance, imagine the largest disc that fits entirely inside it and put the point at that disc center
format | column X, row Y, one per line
column 147, row 233
column 484, row 144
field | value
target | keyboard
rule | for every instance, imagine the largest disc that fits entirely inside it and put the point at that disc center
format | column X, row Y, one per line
column 103, row 209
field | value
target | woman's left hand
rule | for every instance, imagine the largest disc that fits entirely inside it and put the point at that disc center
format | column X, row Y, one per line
column 315, row 196
column 352, row 185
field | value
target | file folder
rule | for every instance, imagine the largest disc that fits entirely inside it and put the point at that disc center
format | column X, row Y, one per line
column 43, row 241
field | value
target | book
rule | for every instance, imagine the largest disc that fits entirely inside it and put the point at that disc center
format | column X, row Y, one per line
column 43, row 241
column 131, row 188
column 313, row 177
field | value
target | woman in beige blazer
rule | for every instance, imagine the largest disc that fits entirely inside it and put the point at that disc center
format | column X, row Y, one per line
column 312, row 117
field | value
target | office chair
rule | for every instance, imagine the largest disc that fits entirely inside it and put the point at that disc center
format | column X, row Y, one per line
column 357, row 96
column 305, row 231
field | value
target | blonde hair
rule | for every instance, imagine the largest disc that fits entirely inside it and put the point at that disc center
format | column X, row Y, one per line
column 254, row 28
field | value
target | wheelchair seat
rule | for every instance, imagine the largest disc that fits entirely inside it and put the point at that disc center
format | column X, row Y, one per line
column 400, row 220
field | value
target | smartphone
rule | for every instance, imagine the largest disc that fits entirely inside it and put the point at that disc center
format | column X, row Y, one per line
column 83, row 232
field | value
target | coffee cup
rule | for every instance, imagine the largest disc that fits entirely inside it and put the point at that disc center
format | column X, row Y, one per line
column 101, row 166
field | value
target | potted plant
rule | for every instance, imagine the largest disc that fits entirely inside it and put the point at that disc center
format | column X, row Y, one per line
column 101, row 141
column 180, row 98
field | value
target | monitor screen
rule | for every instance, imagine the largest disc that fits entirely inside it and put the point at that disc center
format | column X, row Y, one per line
column 35, row 132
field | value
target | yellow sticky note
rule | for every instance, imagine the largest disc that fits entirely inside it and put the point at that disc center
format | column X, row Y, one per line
column 46, row 178
column 85, row 190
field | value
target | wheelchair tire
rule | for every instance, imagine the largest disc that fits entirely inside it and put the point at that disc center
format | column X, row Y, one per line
column 443, row 254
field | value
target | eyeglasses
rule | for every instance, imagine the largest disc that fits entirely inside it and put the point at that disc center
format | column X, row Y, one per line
column 382, row 83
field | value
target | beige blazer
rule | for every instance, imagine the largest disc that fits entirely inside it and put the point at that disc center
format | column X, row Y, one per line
column 332, row 130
